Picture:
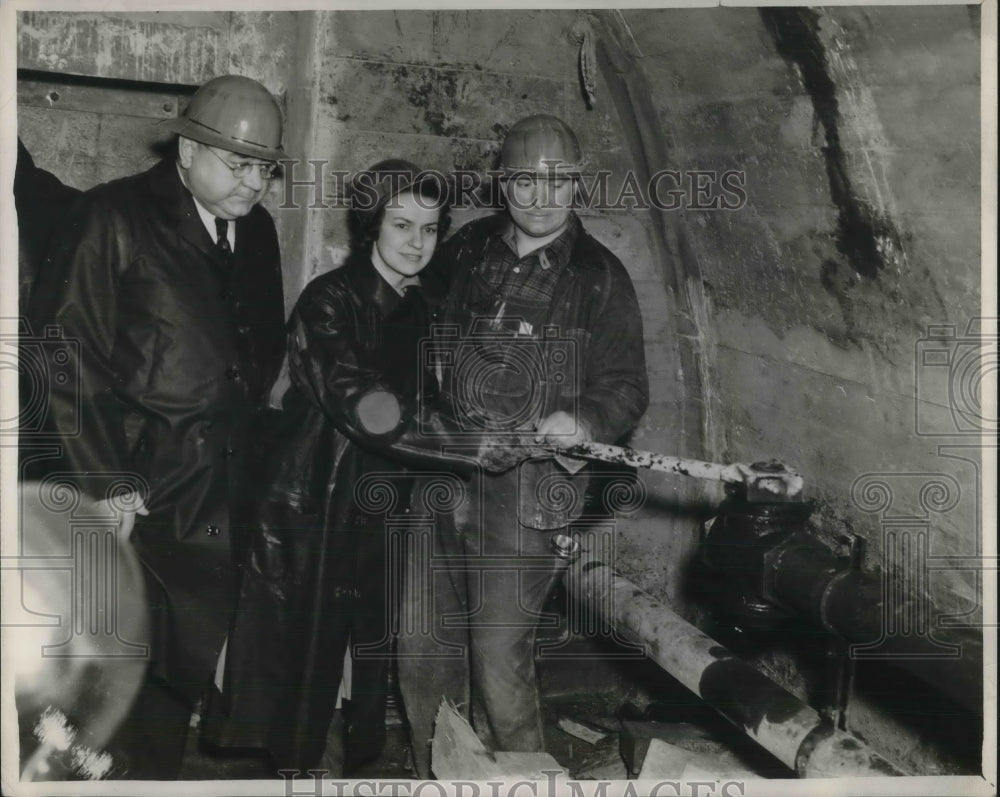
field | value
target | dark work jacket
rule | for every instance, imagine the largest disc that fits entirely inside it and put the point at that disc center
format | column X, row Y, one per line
column 592, row 328
column 318, row 571
column 41, row 201
column 172, row 350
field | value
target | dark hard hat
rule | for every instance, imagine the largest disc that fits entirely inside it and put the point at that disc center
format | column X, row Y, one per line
column 371, row 189
column 234, row 113
column 540, row 145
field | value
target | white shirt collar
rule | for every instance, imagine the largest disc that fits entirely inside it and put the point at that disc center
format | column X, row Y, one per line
column 208, row 219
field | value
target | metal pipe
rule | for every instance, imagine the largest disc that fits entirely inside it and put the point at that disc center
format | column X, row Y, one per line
column 770, row 567
column 804, row 575
column 789, row 729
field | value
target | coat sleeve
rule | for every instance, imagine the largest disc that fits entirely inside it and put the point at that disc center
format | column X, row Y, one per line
column 324, row 356
column 451, row 256
column 263, row 295
column 77, row 299
column 615, row 391
column 42, row 202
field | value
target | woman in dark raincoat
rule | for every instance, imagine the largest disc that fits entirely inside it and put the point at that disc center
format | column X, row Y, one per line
column 318, row 576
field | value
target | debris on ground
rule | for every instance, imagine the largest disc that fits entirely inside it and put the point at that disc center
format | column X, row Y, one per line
column 665, row 760
column 584, row 731
column 609, row 767
column 458, row 754
column 635, row 738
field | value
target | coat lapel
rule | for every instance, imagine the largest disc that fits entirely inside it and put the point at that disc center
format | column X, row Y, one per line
column 370, row 287
column 177, row 204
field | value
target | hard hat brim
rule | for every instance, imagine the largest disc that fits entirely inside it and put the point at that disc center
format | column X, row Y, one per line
column 196, row 131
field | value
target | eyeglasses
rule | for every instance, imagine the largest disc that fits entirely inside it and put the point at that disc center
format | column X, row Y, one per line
column 241, row 170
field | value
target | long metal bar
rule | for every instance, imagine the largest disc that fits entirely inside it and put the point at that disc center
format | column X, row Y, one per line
column 649, row 460
column 763, row 482
column 789, row 729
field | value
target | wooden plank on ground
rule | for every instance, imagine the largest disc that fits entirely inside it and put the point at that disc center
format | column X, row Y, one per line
column 458, row 754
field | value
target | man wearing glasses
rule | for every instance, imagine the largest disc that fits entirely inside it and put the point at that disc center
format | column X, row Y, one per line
column 168, row 283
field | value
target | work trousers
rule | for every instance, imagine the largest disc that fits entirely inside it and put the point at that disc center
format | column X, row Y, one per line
column 475, row 582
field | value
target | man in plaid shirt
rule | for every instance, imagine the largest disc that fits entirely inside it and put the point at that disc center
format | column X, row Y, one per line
column 543, row 349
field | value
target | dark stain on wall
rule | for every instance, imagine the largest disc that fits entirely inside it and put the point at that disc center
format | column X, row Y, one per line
column 795, row 32
column 426, row 94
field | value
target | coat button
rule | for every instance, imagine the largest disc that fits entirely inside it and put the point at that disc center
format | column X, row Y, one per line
column 243, row 329
column 233, row 373
column 228, row 453
column 212, row 530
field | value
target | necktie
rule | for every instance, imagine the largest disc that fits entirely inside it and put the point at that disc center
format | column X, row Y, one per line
column 222, row 236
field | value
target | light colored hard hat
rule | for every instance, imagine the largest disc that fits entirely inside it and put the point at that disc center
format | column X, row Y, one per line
column 234, row 113
column 540, row 145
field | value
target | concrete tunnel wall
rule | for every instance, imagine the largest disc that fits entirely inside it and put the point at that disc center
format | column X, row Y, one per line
column 791, row 327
